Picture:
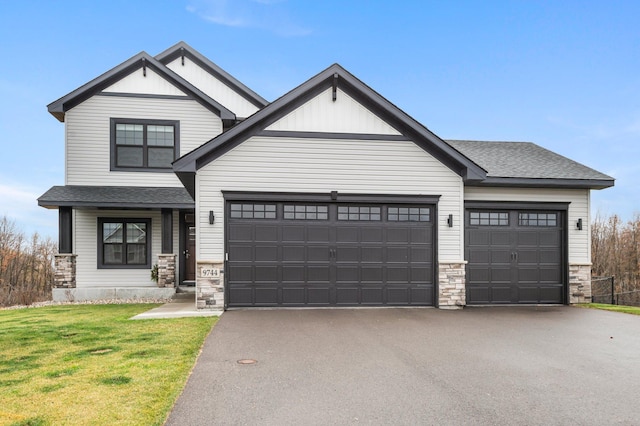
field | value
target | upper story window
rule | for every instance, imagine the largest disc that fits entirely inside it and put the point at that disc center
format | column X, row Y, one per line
column 143, row 145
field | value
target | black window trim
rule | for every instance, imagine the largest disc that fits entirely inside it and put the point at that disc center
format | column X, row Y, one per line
column 123, row 220
column 153, row 122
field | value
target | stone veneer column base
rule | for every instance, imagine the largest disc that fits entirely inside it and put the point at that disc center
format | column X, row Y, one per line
column 65, row 271
column 210, row 285
column 167, row 270
column 451, row 285
column 579, row 283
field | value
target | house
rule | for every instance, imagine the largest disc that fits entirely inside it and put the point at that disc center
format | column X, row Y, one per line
column 328, row 196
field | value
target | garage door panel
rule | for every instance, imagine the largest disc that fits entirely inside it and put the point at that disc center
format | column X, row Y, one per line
column 397, row 254
column 398, row 295
column 317, row 295
column 317, row 254
column 500, row 274
column 550, row 256
column 371, row 274
column 373, row 235
column 266, row 233
column 372, row 254
column 241, row 272
column 501, row 294
column 528, row 294
column 241, row 296
column 397, row 275
column 420, row 274
column 478, row 275
column 372, row 295
column 421, row 295
column 478, row 255
column 550, row 238
column 348, row 254
column 422, row 235
column 347, row 273
column 241, row 253
column 293, row 296
column 293, row 253
column 293, row 273
column 550, row 294
column 479, row 294
column 347, row 295
column 528, row 256
column 241, row 232
column 420, row 254
column 398, row 235
column 347, row 234
column 293, row 233
column 266, row 253
column 266, row 274
column 266, row 295
column 316, row 274
column 500, row 238
column 527, row 239
column 500, row 256
column 318, row 234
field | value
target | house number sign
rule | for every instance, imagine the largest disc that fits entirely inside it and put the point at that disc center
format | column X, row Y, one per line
column 210, row 272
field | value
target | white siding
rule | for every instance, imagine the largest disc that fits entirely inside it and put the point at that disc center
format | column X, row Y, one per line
column 324, row 165
column 85, row 243
column 152, row 84
column 213, row 87
column 87, row 128
column 579, row 241
column 322, row 114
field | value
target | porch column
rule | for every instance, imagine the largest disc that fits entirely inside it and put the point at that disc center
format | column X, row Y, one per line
column 65, row 261
column 167, row 231
column 166, row 259
column 65, row 230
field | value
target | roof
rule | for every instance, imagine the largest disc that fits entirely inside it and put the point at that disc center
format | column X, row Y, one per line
column 142, row 59
column 116, row 197
column 528, row 164
column 334, row 76
column 183, row 48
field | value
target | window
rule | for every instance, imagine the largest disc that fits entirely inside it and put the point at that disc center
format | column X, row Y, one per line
column 409, row 214
column 253, row 211
column 537, row 219
column 306, row 212
column 143, row 144
column 489, row 218
column 358, row 213
column 124, row 243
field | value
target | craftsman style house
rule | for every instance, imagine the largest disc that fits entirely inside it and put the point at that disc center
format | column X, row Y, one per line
column 328, row 196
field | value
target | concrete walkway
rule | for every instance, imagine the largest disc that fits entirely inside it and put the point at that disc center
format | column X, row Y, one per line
column 182, row 305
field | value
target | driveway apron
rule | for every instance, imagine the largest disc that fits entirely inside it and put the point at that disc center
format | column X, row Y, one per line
column 479, row 366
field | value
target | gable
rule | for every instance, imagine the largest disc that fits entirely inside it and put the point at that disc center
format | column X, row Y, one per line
column 323, row 114
column 144, row 82
column 212, row 86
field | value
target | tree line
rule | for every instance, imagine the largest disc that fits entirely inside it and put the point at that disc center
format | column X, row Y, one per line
column 26, row 266
column 615, row 252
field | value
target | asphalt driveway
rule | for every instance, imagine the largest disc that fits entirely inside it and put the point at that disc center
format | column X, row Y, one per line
column 479, row 366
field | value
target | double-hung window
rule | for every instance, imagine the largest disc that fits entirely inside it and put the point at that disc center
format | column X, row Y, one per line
column 145, row 145
column 124, row 243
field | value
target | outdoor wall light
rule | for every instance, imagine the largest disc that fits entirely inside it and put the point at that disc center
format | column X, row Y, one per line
column 212, row 218
column 450, row 221
column 579, row 224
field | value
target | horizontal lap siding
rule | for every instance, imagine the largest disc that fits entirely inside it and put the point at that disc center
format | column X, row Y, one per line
column 324, row 165
column 86, row 249
column 152, row 83
column 88, row 137
column 579, row 241
column 213, row 87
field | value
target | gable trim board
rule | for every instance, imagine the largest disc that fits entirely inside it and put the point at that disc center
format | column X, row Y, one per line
column 183, row 49
column 142, row 60
column 338, row 77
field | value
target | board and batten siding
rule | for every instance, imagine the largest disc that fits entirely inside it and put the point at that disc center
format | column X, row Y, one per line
column 344, row 115
column 87, row 128
column 269, row 164
column 213, row 87
column 86, row 248
column 152, row 83
column 579, row 208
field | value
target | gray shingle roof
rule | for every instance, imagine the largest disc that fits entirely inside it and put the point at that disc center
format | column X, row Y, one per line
column 526, row 160
column 116, row 197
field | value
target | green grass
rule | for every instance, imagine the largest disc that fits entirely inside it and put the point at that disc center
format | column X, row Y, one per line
column 91, row 365
column 616, row 308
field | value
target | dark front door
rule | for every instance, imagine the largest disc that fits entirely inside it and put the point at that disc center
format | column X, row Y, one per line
column 514, row 256
column 189, row 252
column 294, row 254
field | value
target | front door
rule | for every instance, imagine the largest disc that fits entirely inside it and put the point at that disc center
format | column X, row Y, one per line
column 189, row 252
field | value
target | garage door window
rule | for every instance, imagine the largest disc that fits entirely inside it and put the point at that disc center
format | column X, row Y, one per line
column 366, row 213
column 306, row 212
column 537, row 219
column 489, row 218
column 408, row 214
column 253, row 211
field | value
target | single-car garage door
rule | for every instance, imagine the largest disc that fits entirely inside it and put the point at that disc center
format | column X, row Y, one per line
column 514, row 256
column 329, row 254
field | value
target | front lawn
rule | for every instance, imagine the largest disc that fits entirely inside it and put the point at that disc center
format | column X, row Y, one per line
column 91, row 365
column 616, row 308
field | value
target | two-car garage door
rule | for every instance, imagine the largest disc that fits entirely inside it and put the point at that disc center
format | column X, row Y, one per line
column 329, row 254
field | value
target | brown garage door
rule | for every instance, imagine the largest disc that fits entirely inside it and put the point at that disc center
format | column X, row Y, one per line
column 514, row 256
column 329, row 254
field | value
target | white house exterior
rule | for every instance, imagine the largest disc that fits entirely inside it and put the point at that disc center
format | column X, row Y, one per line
column 328, row 196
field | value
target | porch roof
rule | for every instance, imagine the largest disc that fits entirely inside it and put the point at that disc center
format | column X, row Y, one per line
column 116, row 197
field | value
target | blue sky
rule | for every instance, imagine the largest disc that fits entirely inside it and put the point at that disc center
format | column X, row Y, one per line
column 563, row 74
